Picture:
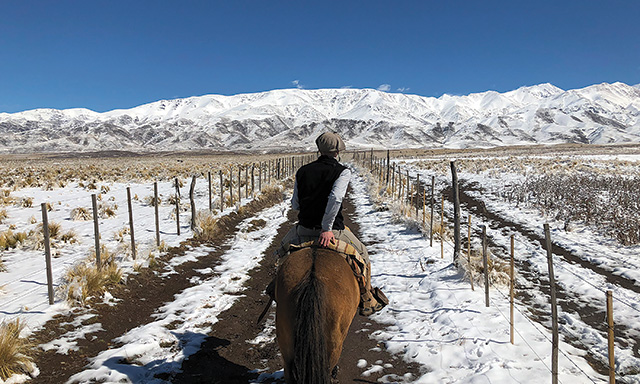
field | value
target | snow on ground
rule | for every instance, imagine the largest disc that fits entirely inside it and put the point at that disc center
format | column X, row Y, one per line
column 23, row 286
column 434, row 318
column 183, row 324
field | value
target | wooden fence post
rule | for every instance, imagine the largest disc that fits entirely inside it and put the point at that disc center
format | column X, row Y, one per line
column 393, row 180
column 260, row 176
column 239, row 185
column 417, row 193
column 156, row 204
column 469, row 253
column 442, row 229
column 246, row 182
column 177, row 205
column 133, row 239
column 554, row 308
column 192, row 201
column 433, row 184
column 612, row 360
column 47, row 252
column 231, row 186
column 456, row 213
column 512, row 285
column 388, row 166
column 253, row 180
column 96, row 229
column 485, row 265
column 221, row 193
column 210, row 202
column 424, row 207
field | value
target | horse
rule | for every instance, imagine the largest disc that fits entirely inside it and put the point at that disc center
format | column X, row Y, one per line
column 317, row 297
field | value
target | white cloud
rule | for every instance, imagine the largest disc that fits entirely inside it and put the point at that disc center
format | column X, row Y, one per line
column 297, row 84
column 346, row 87
column 384, row 87
column 403, row 89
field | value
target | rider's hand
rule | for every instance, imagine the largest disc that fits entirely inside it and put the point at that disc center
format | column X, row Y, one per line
column 326, row 238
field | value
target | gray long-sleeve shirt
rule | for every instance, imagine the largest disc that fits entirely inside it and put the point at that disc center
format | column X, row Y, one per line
column 338, row 191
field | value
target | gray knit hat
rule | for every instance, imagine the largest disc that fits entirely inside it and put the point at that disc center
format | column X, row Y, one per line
column 330, row 142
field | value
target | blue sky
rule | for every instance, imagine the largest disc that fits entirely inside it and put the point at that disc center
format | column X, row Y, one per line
column 104, row 55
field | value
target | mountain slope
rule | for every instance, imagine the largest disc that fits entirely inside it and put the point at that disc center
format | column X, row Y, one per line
column 290, row 119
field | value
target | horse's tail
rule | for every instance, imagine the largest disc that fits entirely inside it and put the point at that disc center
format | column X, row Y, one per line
column 311, row 362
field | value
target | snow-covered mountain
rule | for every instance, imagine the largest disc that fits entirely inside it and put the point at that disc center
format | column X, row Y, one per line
column 291, row 119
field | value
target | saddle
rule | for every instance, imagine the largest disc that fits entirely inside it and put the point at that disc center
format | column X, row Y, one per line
column 351, row 256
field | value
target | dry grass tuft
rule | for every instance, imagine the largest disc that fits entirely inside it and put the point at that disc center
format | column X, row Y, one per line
column 106, row 211
column 498, row 268
column 81, row 214
column 69, row 237
column 151, row 201
column 10, row 239
column 14, row 351
column 86, row 280
column 3, row 215
column 26, row 202
column 206, row 226
column 54, row 229
column 122, row 234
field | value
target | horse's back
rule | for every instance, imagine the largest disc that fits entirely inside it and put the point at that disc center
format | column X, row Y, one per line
column 333, row 272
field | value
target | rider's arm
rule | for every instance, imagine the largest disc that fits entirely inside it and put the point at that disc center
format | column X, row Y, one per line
column 338, row 192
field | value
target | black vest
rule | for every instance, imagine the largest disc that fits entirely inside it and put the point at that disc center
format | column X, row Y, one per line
column 315, row 181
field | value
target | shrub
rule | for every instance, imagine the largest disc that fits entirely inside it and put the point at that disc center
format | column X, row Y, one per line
column 15, row 352
column 206, row 226
column 86, row 280
column 81, row 214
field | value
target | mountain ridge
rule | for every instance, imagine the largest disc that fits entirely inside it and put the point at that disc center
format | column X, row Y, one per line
column 290, row 119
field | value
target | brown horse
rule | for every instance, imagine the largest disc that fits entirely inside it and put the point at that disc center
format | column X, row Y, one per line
column 317, row 297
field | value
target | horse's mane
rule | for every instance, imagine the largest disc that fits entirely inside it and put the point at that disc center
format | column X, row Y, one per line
column 310, row 344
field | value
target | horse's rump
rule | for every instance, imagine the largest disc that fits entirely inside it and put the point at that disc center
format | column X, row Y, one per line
column 317, row 297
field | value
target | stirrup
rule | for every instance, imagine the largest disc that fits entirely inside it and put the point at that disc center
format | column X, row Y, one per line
column 366, row 311
column 380, row 297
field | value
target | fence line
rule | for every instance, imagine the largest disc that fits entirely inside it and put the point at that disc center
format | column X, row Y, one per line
column 406, row 196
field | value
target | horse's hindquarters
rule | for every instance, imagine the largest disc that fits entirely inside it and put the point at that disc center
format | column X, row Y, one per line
column 336, row 296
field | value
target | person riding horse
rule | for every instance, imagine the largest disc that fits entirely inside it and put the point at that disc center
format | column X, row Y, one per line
column 318, row 192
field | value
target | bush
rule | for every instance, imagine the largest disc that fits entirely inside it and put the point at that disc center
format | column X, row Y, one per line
column 611, row 203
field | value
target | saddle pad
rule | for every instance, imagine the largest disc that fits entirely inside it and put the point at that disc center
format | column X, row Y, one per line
column 351, row 256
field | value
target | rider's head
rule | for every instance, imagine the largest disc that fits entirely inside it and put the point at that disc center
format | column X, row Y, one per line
column 330, row 144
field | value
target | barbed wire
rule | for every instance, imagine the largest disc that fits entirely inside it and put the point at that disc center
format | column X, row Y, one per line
column 542, row 333
column 598, row 288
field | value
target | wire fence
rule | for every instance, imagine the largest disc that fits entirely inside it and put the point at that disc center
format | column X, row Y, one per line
column 404, row 187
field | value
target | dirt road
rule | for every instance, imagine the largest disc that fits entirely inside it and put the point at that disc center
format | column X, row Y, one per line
column 228, row 355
